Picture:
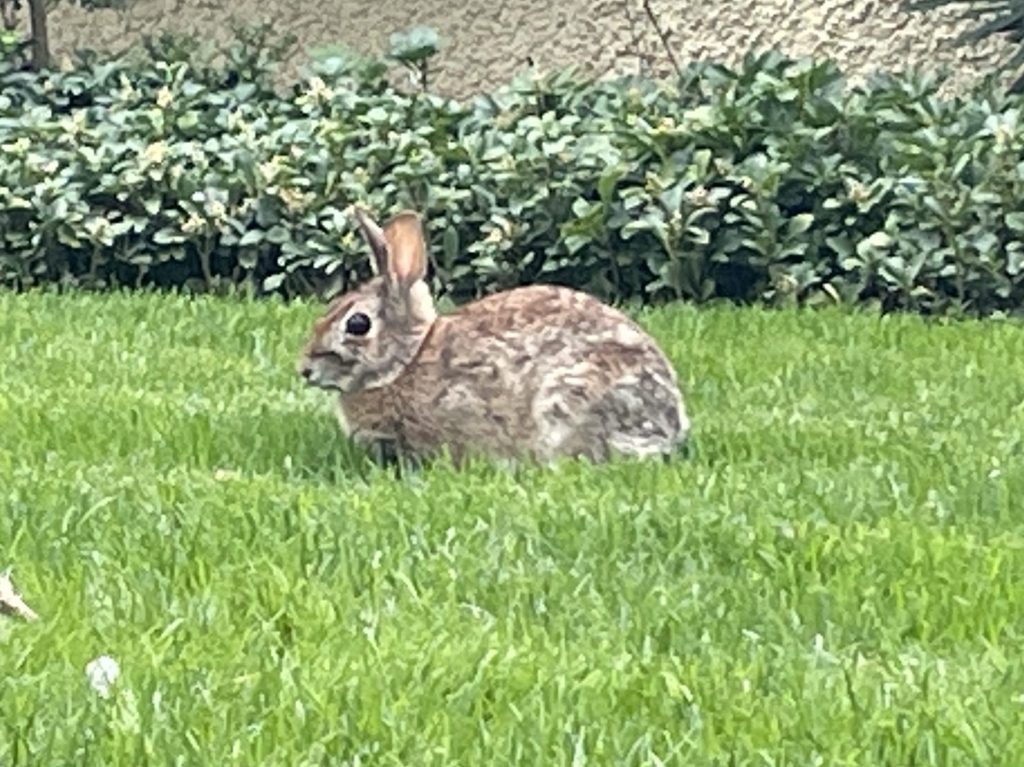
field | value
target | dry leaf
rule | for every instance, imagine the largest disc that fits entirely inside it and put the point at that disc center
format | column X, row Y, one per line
column 11, row 601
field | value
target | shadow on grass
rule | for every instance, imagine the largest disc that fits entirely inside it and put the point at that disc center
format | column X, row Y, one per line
column 311, row 447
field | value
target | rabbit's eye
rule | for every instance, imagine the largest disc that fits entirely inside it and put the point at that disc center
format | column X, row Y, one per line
column 358, row 324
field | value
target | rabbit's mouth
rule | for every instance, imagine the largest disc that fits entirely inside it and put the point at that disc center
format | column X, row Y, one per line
column 326, row 370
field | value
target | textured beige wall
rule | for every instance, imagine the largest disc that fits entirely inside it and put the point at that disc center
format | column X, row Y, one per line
column 486, row 40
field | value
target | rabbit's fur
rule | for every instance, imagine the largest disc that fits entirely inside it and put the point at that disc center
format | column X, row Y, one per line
column 537, row 372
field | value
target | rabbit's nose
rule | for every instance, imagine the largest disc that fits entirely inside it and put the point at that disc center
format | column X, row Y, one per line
column 307, row 372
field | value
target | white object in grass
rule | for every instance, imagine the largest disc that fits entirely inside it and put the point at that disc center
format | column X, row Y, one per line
column 102, row 673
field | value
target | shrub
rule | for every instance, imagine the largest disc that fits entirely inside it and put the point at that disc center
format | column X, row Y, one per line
column 773, row 181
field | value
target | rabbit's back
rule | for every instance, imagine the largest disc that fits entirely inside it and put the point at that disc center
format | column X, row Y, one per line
column 541, row 370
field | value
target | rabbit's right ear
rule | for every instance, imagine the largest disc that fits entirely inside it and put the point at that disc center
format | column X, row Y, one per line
column 374, row 237
column 407, row 249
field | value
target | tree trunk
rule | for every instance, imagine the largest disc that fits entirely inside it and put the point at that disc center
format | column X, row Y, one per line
column 40, row 37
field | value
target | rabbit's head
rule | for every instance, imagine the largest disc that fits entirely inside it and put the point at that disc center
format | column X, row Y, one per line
column 368, row 335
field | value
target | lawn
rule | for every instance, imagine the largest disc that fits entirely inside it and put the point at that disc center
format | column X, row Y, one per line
column 834, row 577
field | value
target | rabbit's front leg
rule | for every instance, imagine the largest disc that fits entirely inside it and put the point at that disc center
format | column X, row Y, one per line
column 384, row 451
column 391, row 454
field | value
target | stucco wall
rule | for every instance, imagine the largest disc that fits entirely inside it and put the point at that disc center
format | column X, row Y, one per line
column 486, row 40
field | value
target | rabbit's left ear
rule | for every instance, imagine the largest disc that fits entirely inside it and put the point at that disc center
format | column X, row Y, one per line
column 406, row 249
column 374, row 237
column 399, row 249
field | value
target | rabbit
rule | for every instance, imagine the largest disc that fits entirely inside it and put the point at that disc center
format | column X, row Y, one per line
column 535, row 373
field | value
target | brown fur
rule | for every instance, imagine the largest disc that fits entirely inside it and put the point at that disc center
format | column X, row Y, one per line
column 536, row 372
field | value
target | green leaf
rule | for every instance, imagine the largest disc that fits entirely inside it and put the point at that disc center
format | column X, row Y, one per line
column 1015, row 221
column 66, row 235
column 414, row 44
column 273, row 281
column 167, row 237
column 188, row 121
column 252, row 237
column 607, row 182
column 575, row 242
column 672, row 197
column 1015, row 259
column 800, row 223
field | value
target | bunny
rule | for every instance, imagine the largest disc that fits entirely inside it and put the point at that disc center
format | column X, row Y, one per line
column 538, row 372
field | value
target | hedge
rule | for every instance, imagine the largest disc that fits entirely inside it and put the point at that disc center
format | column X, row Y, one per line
column 772, row 181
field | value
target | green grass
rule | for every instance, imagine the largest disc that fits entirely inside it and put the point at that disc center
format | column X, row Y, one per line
column 835, row 577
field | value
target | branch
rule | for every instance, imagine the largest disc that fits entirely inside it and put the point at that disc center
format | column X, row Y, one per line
column 636, row 48
column 663, row 35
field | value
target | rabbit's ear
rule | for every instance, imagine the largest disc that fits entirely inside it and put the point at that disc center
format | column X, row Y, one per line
column 407, row 249
column 374, row 237
column 399, row 249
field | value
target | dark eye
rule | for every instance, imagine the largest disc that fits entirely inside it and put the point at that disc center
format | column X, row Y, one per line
column 358, row 324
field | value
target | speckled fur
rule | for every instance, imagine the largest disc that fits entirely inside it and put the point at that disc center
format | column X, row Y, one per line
column 538, row 372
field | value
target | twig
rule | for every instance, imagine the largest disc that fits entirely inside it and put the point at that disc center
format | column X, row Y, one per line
column 663, row 35
column 11, row 602
column 644, row 58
